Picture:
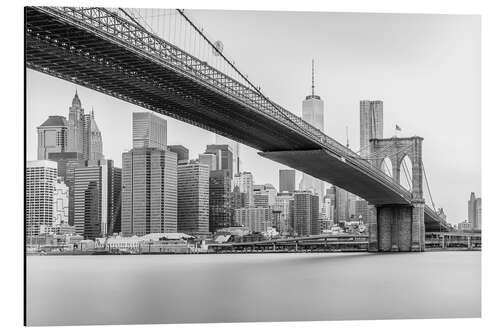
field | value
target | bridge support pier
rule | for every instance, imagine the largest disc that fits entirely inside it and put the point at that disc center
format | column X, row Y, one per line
column 396, row 228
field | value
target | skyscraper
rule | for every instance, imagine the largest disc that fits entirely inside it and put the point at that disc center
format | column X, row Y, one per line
column 75, row 125
column 94, row 199
column 224, row 156
column 60, row 203
column 84, row 136
column 220, row 211
column 312, row 112
column 66, row 164
column 287, row 180
column 244, row 182
column 474, row 209
column 149, row 179
column 371, row 121
column 283, row 205
column 235, row 150
column 92, row 139
column 149, row 131
column 40, row 183
column 193, row 198
column 52, row 136
column 341, row 205
column 181, row 151
column 210, row 160
column 116, row 226
column 149, row 191
column 305, row 213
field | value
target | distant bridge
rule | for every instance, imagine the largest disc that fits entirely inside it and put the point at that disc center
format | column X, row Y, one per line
column 114, row 54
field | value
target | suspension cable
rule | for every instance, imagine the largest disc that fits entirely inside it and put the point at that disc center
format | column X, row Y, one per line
column 407, row 174
column 428, row 188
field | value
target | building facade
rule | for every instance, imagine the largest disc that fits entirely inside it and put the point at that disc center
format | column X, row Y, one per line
column 91, row 200
column 235, row 150
column 287, row 180
column 181, row 151
column 257, row 219
column 283, row 204
column 224, row 157
column 220, row 208
column 474, row 210
column 244, row 182
column 92, row 138
column 305, row 210
column 41, row 177
column 67, row 162
column 60, row 203
column 75, row 125
column 193, row 198
column 210, row 160
column 52, row 136
column 149, row 131
column 149, row 191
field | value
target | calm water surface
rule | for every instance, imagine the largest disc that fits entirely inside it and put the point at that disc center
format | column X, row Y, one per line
column 79, row 290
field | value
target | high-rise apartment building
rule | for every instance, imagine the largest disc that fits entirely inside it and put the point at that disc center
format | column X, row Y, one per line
column 287, row 180
column 149, row 191
column 474, row 210
column 220, row 209
column 193, row 198
column 52, row 136
column 41, row 177
column 149, row 131
column 371, row 120
column 305, row 213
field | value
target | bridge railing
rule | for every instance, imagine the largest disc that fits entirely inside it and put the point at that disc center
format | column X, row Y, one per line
column 128, row 34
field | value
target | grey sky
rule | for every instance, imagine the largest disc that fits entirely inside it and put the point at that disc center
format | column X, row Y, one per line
column 426, row 69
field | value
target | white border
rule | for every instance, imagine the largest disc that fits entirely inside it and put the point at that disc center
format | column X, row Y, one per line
column 12, row 161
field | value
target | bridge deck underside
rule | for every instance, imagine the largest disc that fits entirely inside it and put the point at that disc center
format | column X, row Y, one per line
column 128, row 75
column 79, row 55
column 333, row 170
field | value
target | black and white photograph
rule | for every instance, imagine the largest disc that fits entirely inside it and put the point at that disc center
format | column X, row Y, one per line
column 198, row 166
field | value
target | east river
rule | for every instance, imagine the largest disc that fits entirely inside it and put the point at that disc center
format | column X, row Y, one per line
column 153, row 289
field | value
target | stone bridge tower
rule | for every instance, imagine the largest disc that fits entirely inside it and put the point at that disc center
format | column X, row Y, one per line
column 398, row 227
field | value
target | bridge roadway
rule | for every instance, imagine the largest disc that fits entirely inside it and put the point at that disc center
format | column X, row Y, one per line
column 101, row 50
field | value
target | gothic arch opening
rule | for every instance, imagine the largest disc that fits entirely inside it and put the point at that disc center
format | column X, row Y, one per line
column 386, row 166
column 406, row 173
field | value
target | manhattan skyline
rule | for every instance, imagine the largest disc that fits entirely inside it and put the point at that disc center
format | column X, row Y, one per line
column 394, row 75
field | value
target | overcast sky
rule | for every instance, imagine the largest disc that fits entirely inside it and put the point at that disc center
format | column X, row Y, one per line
column 426, row 69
